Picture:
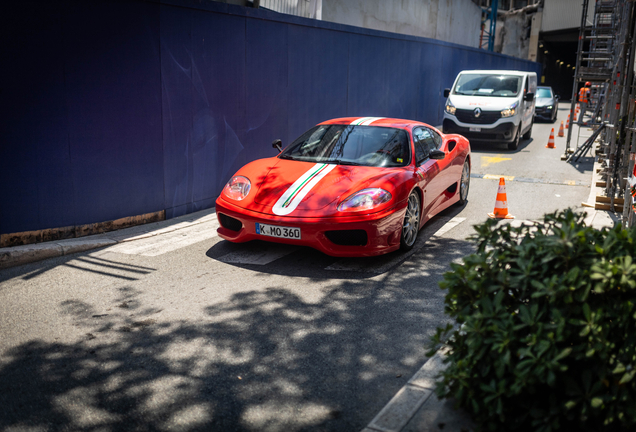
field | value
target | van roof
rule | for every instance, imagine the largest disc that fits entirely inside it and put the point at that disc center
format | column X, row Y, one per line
column 499, row 72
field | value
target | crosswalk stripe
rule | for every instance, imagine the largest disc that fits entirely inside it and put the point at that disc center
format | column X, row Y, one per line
column 259, row 255
column 382, row 264
column 159, row 245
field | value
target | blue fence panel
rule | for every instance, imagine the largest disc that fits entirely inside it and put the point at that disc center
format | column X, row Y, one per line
column 117, row 109
column 318, row 64
column 266, row 84
column 112, row 68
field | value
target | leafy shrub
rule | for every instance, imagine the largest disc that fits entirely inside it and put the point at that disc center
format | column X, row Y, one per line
column 547, row 327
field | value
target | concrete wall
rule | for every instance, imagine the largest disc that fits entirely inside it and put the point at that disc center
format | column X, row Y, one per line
column 114, row 109
column 457, row 21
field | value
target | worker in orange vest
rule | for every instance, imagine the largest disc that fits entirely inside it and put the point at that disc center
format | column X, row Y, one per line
column 584, row 98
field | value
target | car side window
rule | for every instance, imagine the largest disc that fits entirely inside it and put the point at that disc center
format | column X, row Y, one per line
column 422, row 140
column 437, row 139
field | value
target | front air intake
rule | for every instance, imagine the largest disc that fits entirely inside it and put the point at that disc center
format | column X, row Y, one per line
column 347, row 237
column 230, row 223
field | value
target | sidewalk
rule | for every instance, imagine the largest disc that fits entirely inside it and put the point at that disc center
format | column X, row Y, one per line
column 19, row 255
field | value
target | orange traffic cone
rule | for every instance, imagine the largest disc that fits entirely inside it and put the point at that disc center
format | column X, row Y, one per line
column 561, row 132
column 550, row 140
column 574, row 117
column 501, row 205
column 567, row 123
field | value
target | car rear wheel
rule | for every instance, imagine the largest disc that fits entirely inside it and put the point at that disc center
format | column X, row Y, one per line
column 464, row 183
column 411, row 224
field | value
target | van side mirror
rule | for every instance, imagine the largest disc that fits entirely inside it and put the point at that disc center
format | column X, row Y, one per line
column 437, row 154
column 277, row 144
column 529, row 97
column 446, row 92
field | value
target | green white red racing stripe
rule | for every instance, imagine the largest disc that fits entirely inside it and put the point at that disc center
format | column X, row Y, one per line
column 288, row 202
column 365, row 121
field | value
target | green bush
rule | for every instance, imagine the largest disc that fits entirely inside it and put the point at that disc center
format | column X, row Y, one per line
column 546, row 334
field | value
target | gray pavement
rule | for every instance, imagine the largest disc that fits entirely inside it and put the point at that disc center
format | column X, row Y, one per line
column 413, row 408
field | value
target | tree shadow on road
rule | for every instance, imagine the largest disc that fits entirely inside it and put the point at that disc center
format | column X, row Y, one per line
column 266, row 360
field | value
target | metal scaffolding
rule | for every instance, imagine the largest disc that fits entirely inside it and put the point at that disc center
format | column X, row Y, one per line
column 605, row 59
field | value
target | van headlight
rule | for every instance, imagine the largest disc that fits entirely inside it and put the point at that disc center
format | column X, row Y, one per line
column 450, row 108
column 510, row 111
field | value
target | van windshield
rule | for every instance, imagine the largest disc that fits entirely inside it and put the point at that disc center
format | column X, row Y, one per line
column 488, row 85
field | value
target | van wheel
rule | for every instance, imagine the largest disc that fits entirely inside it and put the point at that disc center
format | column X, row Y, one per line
column 514, row 144
column 527, row 135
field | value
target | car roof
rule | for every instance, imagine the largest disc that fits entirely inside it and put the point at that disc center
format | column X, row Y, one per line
column 376, row 121
column 498, row 72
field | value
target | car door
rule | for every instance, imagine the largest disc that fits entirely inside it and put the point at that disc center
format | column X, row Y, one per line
column 429, row 170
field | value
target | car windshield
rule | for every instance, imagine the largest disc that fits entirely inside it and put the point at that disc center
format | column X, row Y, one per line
column 488, row 85
column 544, row 92
column 351, row 145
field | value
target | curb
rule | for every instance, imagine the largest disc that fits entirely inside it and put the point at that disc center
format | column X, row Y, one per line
column 410, row 398
column 24, row 254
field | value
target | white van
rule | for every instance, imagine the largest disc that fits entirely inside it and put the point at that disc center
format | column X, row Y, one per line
column 491, row 105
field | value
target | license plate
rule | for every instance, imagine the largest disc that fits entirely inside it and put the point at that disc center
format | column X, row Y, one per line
column 278, row 231
column 474, row 129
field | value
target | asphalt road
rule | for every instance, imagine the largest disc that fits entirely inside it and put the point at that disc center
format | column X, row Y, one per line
column 186, row 331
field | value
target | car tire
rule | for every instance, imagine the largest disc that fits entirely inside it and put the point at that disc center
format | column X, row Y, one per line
column 464, row 183
column 527, row 135
column 515, row 143
column 411, row 223
column 554, row 116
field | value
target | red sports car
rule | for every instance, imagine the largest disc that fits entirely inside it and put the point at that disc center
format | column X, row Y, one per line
column 357, row 186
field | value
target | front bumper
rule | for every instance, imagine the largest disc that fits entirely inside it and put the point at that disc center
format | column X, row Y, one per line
column 544, row 113
column 503, row 132
column 382, row 229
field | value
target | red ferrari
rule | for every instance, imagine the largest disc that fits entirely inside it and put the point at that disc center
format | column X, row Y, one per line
column 357, row 186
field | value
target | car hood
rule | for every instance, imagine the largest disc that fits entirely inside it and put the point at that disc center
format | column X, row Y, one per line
column 541, row 102
column 489, row 103
column 300, row 189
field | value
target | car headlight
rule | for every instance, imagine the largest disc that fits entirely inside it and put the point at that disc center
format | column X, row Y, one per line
column 450, row 108
column 549, row 107
column 237, row 188
column 366, row 199
column 510, row 111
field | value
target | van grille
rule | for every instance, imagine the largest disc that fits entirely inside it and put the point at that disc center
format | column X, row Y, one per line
column 486, row 117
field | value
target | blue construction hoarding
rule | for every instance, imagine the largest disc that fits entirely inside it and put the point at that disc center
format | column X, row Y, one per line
column 111, row 109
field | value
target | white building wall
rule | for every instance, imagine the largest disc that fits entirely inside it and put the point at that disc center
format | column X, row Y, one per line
column 564, row 14
column 303, row 8
column 457, row 21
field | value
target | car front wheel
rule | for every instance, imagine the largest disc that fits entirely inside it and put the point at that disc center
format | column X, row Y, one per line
column 464, row 183
column 411, row 223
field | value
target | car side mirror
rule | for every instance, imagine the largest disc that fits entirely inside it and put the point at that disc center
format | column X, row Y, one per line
column 557, row 96
column 529, row 97
column 437, row 154
column 446, row 92
column 277, row 144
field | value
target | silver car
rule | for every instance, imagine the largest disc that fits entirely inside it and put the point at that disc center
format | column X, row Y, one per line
column 547, row 104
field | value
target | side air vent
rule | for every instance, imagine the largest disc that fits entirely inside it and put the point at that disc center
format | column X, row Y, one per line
column 229, row 222
column 348, row 237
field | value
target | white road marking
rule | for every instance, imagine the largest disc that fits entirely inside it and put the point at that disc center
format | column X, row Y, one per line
column 159, row 245
column 260, row 254
column 381, row 264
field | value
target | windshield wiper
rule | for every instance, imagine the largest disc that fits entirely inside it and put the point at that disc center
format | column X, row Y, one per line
column 341, row 162
column 284, row 156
